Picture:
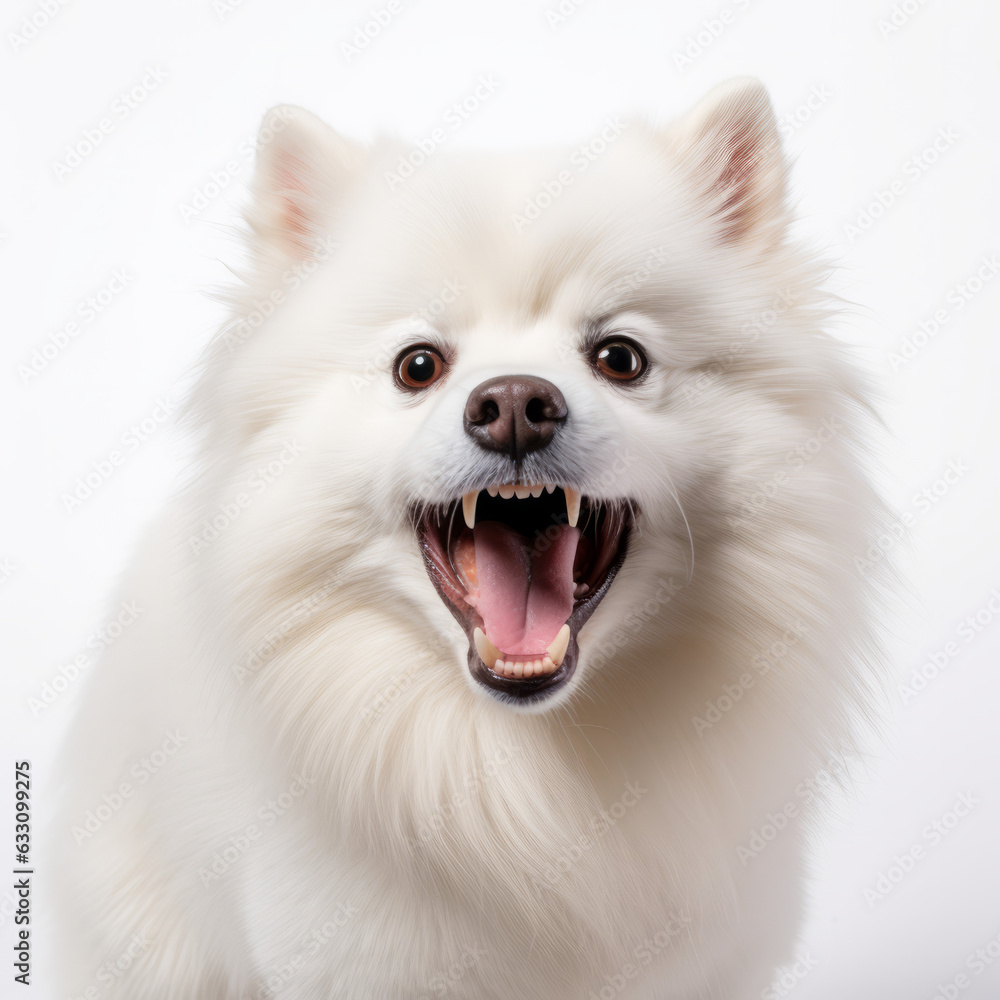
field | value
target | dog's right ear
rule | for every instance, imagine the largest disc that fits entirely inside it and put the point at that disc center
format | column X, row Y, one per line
column 304, row 169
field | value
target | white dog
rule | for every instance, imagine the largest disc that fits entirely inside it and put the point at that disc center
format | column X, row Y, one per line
column 510, row 625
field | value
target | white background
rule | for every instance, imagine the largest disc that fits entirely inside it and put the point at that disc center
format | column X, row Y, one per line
column 880, row 95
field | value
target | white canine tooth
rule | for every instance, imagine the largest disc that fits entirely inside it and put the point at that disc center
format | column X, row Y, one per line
column 492, row 490
column 572, row 506
column 550, row 488
column 536, row 491
column 488, row 653
column 559, row 646
column 469, row 507
column 522, row 492
column 506, row 492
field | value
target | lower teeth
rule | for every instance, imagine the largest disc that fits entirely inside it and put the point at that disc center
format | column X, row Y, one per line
column 536, row 667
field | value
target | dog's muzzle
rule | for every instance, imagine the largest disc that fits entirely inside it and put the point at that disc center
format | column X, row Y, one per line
column 522, row 565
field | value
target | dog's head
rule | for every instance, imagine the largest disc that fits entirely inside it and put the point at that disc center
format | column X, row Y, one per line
column 520, row 393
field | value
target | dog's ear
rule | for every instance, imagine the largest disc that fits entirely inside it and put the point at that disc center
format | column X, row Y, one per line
column 304, row 169
column 730, row 141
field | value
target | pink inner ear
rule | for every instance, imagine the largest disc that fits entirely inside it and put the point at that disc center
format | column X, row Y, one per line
column 742, row 178
column 289, row 183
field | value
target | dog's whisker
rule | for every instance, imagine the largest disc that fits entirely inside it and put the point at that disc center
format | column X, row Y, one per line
column 668, row 484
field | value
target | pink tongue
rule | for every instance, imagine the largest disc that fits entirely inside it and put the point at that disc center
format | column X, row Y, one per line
column 525, row 594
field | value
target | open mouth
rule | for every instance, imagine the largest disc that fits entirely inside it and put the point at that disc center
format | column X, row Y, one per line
column 522, row 567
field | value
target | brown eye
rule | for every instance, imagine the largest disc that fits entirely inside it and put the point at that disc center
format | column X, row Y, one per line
column 619, row 360
column 419, row 367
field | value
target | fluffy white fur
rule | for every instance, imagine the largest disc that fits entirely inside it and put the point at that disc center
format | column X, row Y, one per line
column 437, row 842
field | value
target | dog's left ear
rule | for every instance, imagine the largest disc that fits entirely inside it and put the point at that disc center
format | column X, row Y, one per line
column 304, row 172
column 730, row 141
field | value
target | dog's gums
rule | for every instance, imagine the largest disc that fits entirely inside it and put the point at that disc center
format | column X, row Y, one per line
column 522, row 566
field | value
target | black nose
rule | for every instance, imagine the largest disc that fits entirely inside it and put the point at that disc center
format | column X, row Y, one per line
column 514, row 413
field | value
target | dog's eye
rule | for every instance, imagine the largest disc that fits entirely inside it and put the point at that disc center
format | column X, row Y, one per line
column 619, row 360
column 419, row 367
